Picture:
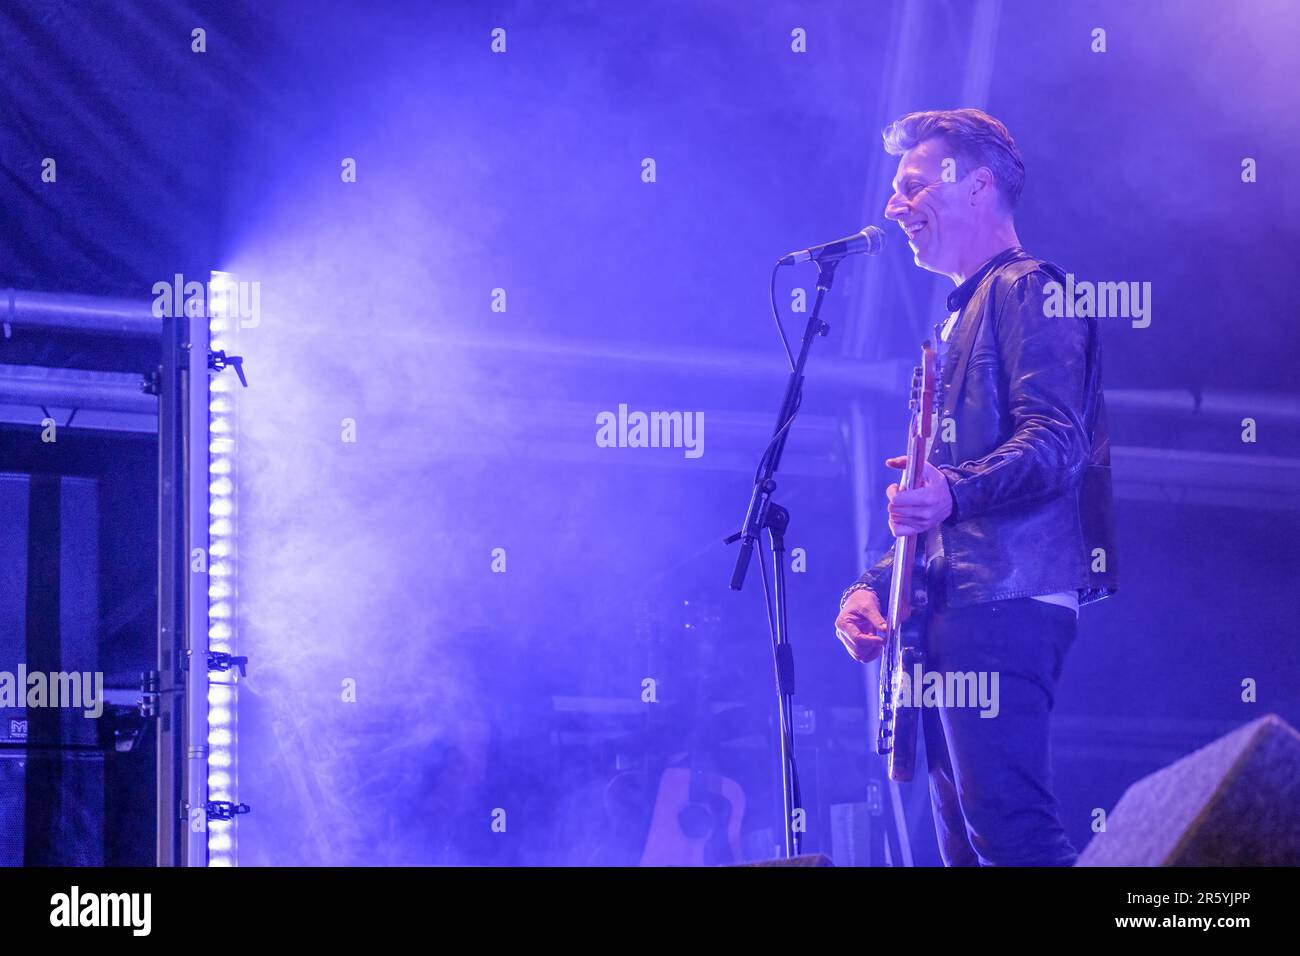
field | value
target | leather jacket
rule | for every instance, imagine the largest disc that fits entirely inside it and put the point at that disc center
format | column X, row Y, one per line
column 1029, row 461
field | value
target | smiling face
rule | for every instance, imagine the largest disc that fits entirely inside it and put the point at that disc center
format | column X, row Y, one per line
column 937, row 216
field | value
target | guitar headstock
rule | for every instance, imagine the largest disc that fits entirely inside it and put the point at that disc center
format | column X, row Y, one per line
column 928, row 387
column 924, row 389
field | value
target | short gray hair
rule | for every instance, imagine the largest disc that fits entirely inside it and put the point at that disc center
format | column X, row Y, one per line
column 974, row 138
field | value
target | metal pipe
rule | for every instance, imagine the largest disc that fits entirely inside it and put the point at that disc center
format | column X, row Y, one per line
column 74, row 388
column 81, row 313
column 196, row 381
column 172, row 562
column 1184, row 401
column 88, row 313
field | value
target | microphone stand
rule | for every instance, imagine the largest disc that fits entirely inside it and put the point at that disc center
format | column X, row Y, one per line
column 762, row 513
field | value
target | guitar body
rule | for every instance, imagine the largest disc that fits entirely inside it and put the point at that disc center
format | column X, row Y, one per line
column 904, row 707
column 696, row 820
column 903, row 653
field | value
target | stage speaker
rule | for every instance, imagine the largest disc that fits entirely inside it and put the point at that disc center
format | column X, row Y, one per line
column 51, row 807
column 51, row 770
column 49, row 600
column 1235, row 802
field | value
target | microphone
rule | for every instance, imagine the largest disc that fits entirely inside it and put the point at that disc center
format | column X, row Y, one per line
column 870, row 240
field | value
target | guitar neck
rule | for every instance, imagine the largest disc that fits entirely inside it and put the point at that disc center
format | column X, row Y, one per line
column 900, row 584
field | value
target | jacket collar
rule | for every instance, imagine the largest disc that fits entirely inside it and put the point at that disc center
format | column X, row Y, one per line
column 959, row 296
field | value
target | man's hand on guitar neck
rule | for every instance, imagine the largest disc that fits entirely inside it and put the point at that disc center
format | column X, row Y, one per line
column 861, row 627
column 922, row 508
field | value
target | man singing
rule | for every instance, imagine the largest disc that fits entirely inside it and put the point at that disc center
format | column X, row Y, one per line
column 1014, row 505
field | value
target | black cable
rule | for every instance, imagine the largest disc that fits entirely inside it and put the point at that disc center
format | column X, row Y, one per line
column 762, row 461
column 776, row 317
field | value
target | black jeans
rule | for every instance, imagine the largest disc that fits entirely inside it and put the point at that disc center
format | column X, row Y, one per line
column 990, row 776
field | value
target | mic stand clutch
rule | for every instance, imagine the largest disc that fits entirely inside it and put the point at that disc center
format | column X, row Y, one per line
column 762, row 513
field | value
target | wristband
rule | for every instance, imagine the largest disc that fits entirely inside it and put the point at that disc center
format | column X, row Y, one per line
column 859, row 586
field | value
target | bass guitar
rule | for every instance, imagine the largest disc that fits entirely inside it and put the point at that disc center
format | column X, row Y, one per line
column 899, row 713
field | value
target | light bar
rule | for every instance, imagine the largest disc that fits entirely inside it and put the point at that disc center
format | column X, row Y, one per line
column 223, row 768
